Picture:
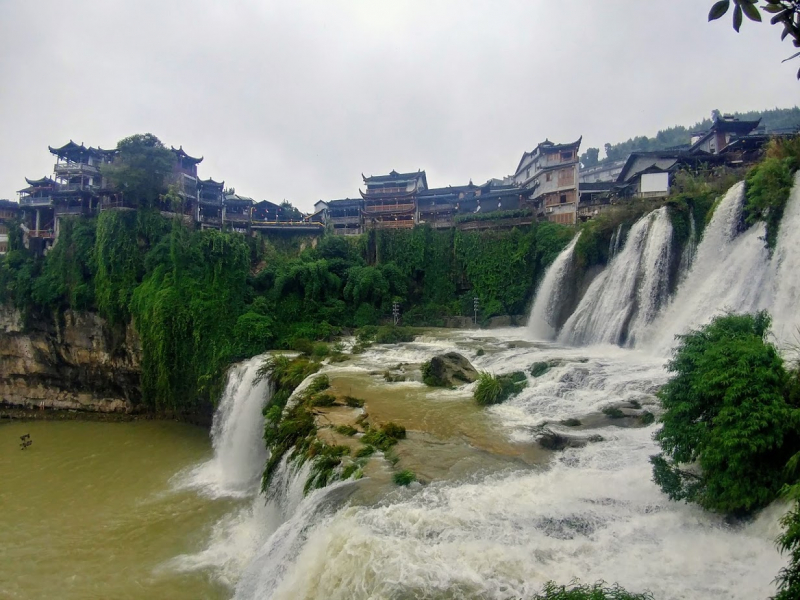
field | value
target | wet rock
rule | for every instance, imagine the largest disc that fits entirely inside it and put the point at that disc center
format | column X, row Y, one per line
column 551, row 440
column 448, row 370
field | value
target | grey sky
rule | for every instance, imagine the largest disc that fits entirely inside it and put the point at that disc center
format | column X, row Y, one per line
column 296, row 99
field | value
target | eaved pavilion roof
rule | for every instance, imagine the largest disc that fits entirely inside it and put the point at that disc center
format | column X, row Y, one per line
column 71, row 150
column 181, row 154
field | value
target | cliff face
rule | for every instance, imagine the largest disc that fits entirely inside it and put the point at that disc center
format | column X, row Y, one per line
column 78, row 363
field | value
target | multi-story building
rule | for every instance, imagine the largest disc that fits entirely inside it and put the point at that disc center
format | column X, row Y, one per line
column 390, row 200
column 549, row 176
column 346, row 216
column 209, row 203
column 8, row 215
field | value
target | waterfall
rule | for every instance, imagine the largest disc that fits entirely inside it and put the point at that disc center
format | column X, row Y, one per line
column 689, row 251
column 729, row 273
column 542, row 322
column 632, row 286
column 237, row 435
column 786, row 261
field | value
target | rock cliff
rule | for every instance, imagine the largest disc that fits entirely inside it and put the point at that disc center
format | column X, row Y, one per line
column 78, row 363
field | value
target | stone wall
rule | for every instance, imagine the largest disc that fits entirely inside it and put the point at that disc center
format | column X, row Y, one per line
column 77, row 363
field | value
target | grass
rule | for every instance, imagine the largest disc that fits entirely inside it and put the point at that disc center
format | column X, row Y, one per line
column 353, row 402
column 494, row 389
column 597, row 591
column 394, row 430
column 348, row 430
column 405, row 477
column 322, row 400
column 539, row 368
column 612, row 412
column 648, row 418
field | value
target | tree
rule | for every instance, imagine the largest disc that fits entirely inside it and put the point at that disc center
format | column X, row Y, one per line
column 726, row 421
column 589, row 158
column 786, row 12
column 141, row 169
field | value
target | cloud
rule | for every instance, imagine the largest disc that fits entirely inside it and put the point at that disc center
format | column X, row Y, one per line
column 296, row 99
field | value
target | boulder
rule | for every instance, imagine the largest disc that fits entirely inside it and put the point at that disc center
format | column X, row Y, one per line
column 448, row 370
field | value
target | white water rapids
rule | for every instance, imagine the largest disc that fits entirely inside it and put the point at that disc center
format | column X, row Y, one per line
column 590, row 513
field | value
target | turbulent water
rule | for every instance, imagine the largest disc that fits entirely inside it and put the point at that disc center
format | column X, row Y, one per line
column 503, row 528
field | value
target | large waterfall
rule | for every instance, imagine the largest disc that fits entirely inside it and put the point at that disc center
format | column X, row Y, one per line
column 544, row 314
column 785, row 309
column 236, row 433
column 626, row 296
column 729, row 273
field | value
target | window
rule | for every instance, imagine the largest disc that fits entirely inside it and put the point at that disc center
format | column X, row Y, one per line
column 549, row 176
column 566, row 155
column 563, row 199
column 528, row 172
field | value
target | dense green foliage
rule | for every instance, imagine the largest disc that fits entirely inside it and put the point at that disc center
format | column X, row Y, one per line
column 597, row 591
column 141, row 170
column 769, row 184
column 727, row 427
column 789, row 541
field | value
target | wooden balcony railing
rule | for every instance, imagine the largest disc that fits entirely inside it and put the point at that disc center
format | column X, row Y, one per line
column 389, row 208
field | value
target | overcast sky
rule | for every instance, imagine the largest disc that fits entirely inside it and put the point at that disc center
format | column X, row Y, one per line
column 295, row 99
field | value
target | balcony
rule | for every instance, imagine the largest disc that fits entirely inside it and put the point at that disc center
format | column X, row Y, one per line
column 69, row 210
column 387, row 190
column 234, row 218
column 408, row 224
column 36, row 201
column 349, row 220
column 392, row 208
column 70, row 168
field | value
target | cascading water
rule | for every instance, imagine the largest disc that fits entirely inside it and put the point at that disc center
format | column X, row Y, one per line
column 237, row 432
column 542, row 322
column 689, row 251
column 729, row 273
column 632, row 286
column 786, row 261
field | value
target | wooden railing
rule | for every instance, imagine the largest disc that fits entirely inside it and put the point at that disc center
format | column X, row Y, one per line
column 389, row 208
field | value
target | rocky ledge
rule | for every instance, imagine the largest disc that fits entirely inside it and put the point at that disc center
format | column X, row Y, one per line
column 77, row 362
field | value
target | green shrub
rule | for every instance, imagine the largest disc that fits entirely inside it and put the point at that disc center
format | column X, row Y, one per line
column 597, row 591
column 404, row 477
column 429, row 379
column 648, row 418
column 725, row 423
column 480, row 352
column 571, row 422
column 379, row 439
column 613, row 412
column 353, row 402
column 303, row 345
column 394, row 430
column 323, row 400
column 320, row 350
column 769, row 184
column 394, row 334
column 539, row 368
column 365, row 451
column 348, row 430
column 318, row 384
column 493, row 389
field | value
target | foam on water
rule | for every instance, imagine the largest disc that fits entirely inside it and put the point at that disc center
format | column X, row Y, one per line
column 237, row 430
column 542, row 321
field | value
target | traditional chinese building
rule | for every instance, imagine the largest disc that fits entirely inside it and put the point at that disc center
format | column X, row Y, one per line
column 236, row 211
column 390, row 200
column 346, row 216
column 726, row 129
column 209, row 203
column 549, row 176
column 186, row 182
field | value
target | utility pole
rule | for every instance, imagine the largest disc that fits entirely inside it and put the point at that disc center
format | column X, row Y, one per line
column 396, row 312
column 475, row 302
